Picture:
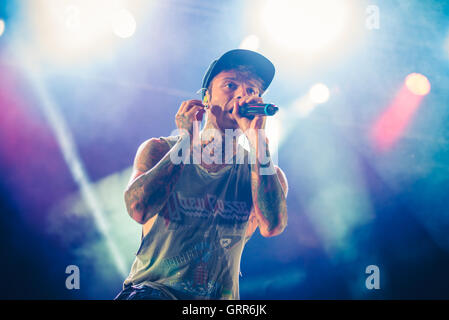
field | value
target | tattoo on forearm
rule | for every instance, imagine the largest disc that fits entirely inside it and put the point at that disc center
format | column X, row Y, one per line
column 268, row 197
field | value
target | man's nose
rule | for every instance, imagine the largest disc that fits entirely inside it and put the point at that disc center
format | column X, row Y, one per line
column 241, row 92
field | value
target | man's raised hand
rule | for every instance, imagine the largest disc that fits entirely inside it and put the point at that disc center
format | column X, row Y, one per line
column 189, row 111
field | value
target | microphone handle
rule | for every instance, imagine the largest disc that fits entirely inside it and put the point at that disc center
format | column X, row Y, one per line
column 252, row 109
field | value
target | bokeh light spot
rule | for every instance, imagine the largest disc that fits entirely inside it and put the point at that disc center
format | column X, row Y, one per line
column 319, row 93
column 2, row 27
column 417, row 84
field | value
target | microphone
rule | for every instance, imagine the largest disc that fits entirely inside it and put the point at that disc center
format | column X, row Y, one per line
column 252, row 109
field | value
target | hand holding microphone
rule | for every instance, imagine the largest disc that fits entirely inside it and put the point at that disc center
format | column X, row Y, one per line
column 250, row 112
column 252, row 109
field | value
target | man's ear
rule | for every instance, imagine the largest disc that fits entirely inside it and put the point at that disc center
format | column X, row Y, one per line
column 206, row 97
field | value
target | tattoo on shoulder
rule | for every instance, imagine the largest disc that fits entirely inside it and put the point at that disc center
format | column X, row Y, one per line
column 150, row 153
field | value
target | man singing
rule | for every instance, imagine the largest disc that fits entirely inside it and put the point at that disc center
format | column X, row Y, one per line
column 196, row 216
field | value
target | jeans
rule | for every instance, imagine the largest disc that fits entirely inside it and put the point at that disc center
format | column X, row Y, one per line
column 142, row 292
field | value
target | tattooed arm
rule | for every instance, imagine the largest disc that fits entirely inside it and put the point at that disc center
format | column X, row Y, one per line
column 154, row 173
column 269, row 193
column 153, row 178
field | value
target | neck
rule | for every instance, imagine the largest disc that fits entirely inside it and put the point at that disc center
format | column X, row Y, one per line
column 205, row 142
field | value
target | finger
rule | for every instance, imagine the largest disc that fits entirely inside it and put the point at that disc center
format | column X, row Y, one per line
column 235, row 109
column 199, row 115
column 186, row 105
column 250, row 99
column 261, row 121
column 192, row 103
column 193, row 110
column 183, row 107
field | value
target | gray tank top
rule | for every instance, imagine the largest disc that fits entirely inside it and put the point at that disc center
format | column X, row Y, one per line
column 194, row 247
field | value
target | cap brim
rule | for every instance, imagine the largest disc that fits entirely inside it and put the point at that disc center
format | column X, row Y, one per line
column 262, row 66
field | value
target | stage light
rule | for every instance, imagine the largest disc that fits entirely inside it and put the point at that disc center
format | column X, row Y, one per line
column 319, row 93
column 123, row 24
column 251, row 42
column 304, row 25
column 2, row 27
column 303, row 106
column 417, row 84
column 394, row 120
column 65, row 33
column 77, row 31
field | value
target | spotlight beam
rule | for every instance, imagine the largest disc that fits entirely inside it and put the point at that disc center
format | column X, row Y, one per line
column 71, row 157
column 392, row 123
column 129, row 84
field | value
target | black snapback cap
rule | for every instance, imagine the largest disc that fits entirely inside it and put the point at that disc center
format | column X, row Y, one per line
column 233, row 58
